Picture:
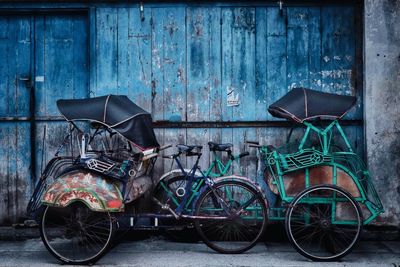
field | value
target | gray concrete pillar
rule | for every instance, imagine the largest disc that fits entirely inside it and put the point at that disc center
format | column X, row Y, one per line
column 382, row 102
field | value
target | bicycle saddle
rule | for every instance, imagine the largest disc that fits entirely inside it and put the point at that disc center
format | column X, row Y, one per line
column 186, row 148
column 219, row 147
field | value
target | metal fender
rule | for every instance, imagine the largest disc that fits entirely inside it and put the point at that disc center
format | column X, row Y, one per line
column 98, row 193
column 245, row 180
column 175, row 173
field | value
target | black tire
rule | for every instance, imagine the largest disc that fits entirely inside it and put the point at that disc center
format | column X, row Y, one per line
column 309, row 223
column 182, row 230
column 238, row 233
column 75, row 234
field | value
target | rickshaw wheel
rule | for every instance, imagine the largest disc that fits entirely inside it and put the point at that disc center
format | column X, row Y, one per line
column 75, row 234
column 323, row 223
column 239, row 232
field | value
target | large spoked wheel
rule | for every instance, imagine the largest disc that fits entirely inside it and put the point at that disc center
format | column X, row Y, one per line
column 323, row 223
column 245, row 213
column 75, row 234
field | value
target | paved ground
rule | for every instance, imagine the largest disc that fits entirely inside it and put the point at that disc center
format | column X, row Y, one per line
column 156, row 251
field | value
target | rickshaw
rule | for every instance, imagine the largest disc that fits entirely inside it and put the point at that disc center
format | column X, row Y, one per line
column 324, row 191
column 81, row 200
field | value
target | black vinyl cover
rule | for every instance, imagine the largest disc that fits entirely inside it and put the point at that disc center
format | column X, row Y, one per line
column 301, row 104
column 117, row 112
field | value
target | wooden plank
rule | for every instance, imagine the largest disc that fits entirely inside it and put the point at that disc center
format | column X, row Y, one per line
column 58, row 65
column 215, row 62
column 338, row 54
column 134, row 56
column 49, row 136
column 226, row 73
column 243, row 73
column 244, row 166
column 261, row 64
column 80, row 50
column 314, row 48
column 12, row 82
column 4, row 76
column 203, row 59
column 107, row 51
column 172, row 29
column 328, row 71
column 175, row 61
column 198, row 60
column 39, row 67
column 5, row 136
column 276, row 56
column 22, row 59
column 157, row 66
column 297, row 47
column 23, row 184
column 124, row 53
column 15, row 186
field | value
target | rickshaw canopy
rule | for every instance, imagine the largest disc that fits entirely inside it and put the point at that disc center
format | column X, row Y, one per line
column 117, row 112
column 301, row 104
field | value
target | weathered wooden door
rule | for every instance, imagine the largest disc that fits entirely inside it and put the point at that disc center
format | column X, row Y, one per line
column 217, row 67
column 44, row 58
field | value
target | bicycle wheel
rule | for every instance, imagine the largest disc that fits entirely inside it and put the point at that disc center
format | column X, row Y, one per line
column 246, row 214
column 323, row 223
column 75, row 234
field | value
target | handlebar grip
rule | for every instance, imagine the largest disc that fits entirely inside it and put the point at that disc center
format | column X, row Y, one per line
column 244, row 154
column 252, row 142
column 258, row 146
column 164, row 147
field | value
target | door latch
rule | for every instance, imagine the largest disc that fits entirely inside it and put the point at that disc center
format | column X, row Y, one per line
column 27, row 81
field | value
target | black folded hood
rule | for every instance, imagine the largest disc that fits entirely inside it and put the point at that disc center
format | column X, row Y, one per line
column 303, row 104
column 117, row 112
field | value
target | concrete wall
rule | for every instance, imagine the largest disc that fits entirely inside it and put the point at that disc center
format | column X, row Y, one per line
column 382, row 102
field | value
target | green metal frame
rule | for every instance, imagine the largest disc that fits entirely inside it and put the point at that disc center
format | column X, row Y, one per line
column 280, row 163
column 221, row 170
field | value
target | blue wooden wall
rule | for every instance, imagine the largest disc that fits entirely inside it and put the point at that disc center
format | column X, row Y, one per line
column 183, row 61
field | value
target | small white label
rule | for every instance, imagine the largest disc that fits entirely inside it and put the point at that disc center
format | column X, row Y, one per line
column 232, row 97
column 39, row 79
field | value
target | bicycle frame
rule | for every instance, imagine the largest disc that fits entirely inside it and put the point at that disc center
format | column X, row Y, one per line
column 221, row 168
column 196, row 182
column 193, row 188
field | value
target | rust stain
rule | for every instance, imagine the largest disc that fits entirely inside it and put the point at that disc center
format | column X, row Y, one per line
column 216, row 82
column 143, row 76
column 171, row 27
column 181, row 74
column 169, row 61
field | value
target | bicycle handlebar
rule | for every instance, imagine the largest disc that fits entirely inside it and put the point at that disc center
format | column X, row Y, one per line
column 252, row 142
column 241, row 155
column 258, row 146
column 164, row 147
